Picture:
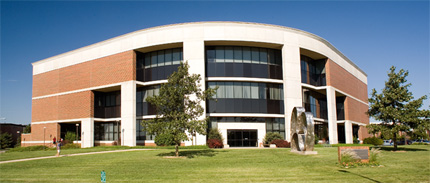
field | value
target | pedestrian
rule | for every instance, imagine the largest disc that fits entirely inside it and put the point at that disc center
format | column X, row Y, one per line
column 54, row 140
column 58, row 148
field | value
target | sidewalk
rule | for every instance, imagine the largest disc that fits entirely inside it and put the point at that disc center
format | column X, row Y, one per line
column 78, row 154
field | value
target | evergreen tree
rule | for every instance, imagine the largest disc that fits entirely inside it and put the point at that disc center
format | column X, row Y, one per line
column 178, row 107
column 395, row 107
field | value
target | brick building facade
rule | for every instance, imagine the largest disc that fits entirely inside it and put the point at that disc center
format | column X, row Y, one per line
column 99, row 91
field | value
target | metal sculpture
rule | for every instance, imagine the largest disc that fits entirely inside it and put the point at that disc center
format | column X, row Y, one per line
column 302, row 130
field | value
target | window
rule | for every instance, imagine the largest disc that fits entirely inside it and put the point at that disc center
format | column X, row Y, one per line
column 107, row 131
column 248, row 62
column 157, row 65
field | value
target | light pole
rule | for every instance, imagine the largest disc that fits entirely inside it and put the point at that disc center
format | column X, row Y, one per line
column 18, row 132
column 77, row 125
column 44, row 128
column 122, row 143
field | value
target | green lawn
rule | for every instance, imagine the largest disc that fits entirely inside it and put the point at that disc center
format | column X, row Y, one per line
column 222, row 165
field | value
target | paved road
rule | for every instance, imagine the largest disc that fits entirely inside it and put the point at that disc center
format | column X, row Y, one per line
column 78, row 154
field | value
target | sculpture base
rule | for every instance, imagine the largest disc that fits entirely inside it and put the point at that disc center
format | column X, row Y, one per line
column 305, row 152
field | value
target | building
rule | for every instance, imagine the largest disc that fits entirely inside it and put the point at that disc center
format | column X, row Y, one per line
column 15, row 130
column 262, row 71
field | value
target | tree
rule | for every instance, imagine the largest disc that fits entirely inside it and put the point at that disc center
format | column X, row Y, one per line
column 27, row 129
column 178, row 107
column 395, row 107
column 5, row 140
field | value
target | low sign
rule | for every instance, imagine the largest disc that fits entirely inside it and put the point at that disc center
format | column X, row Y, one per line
column 361, row 151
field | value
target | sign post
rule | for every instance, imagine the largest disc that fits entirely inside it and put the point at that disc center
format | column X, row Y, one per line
column 103, row 176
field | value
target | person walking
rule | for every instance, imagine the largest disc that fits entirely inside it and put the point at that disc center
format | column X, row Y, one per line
column 58, row 148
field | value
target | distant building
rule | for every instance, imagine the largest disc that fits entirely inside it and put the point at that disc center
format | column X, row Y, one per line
column 14, row 129
column 263, row 72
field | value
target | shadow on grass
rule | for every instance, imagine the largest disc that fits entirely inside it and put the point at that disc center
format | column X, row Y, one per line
column 373, row 180
column 192, row 153
column 400, row 148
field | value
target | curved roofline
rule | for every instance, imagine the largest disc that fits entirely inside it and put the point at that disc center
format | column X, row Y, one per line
column 202, row 22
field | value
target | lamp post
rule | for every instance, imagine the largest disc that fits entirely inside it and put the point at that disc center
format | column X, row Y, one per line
column 44, row 128
column 77, row 125
column 18, row 132
column 122, row 139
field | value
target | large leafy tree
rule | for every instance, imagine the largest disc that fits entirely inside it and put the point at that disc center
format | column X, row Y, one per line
column 396, row 108
column 178, row 107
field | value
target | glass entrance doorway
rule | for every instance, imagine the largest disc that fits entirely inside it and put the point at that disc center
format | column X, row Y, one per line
column 242, row 138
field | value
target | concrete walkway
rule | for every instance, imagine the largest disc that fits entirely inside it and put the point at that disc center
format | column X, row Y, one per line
column 78, row 154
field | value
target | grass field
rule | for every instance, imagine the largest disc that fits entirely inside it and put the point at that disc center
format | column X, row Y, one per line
column 412, row 164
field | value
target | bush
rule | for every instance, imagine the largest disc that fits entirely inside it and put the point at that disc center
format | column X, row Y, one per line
column 269, row 137
column 70, row 137
column 317, row 139
column 419, row 143
column 30, row 148
column 348, row 156
column 215, row 143
column 215, row 134
column 164, row 139
column 5, row 140
column 373, row 140
column 374, row 154
column 280, row 143
column 71, row 146
column 356, row 141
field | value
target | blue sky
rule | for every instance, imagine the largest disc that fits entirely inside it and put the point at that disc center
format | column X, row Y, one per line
column 374, row 35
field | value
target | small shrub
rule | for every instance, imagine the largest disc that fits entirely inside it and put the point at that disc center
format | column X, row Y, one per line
column 356, row 141
column 269, row 137
column 280, row 143
column 419, row 143
column 373, row 140
column 71, row 146
column 164, row 140
column 348, row 156
column 374, row 154
column 30, row 148
column 317, row 139
column 215, row 134
column 215, row 143
column 70, row 137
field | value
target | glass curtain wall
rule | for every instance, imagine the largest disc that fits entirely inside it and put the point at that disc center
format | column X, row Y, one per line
column 246, row 97
column 157, row 65
column 107, row 105
column 242, row 61
column 313, row 71
column 107, row 131
column 142, row 106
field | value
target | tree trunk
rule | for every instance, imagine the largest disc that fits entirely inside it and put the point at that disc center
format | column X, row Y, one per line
column 395, row 141
column 177, row 150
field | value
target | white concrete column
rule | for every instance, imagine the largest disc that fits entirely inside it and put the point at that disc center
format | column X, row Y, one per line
column 348, row 132
column 194, row 53
column 292, row 83
column 87, row 130
column 332, row 118
column 128, row 113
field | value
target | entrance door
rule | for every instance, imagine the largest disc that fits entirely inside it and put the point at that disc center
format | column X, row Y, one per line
column 242, row 138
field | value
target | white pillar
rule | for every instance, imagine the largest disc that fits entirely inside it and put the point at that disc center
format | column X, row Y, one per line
column 128, row 113
column 332, row 118
column 87, row 130
column 292, row 83
column 348, row 132
column 194, row 53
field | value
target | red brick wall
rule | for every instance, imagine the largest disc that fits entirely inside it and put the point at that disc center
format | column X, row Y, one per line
column 52, row 130
column 341, row 79
column 103, row 71
column 70, row 106
column 356, row 111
